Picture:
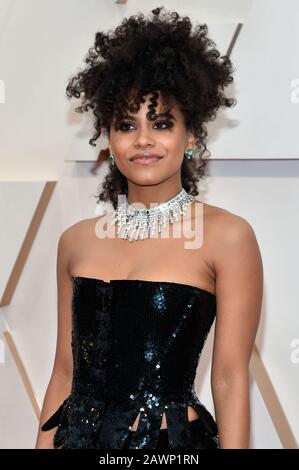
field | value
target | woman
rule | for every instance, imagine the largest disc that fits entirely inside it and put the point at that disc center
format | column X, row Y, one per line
column 137, row 298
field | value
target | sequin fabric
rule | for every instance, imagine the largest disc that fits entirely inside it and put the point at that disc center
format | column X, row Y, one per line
column 136, row 346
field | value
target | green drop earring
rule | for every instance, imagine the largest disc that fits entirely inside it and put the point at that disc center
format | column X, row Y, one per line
column 189, row 153
column 111, row 157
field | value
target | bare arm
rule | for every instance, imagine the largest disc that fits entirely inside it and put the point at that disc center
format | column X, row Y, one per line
column 61, row 378
column 239, row 290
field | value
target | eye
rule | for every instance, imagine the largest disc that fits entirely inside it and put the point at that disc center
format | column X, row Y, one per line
column 124, row 125
column 166, row 123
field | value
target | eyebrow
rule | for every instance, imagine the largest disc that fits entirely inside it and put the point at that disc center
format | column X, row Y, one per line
column 158, row 116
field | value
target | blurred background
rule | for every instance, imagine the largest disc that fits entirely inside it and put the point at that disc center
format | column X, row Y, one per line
column 49, row 174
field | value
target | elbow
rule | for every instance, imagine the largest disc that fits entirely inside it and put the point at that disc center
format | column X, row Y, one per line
column 226, row 381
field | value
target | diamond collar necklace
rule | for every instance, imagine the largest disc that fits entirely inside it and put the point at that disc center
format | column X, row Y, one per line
column 134, row 223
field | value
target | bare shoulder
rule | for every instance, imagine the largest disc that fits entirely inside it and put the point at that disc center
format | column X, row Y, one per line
column 227, row 225
column 238, row 246
column 79, row 230
column 77, row 236
column 227, row 234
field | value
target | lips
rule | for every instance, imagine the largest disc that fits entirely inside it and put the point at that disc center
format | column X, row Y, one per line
column 145, row 156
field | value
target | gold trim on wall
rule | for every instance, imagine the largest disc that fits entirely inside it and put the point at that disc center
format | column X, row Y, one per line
column 27, row 243
column 271, row 401
column 22, row 371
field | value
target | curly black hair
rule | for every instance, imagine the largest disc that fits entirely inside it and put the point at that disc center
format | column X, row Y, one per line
column 162, row 56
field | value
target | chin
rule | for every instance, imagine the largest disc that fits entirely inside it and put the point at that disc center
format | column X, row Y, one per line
column 146, row 181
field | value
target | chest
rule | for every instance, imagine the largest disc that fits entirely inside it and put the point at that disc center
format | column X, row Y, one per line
column 151, row 261
column 177, row 258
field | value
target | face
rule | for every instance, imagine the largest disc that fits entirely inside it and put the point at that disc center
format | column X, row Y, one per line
column 166, row 137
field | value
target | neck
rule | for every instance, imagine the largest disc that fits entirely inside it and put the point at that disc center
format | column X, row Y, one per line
column 148, row 195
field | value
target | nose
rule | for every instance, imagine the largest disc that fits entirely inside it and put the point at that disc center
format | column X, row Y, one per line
column 144, row 138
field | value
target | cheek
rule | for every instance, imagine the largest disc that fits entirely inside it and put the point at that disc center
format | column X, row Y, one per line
column 175, row 142
column 175, row 151
column 122, row 147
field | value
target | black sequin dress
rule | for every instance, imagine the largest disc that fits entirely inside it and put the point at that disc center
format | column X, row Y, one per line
column 136, row 346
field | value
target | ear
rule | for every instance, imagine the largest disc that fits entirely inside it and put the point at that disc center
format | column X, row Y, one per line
column 191, row 139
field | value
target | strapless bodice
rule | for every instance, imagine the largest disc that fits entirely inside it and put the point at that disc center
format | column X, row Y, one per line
column 136, row 346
